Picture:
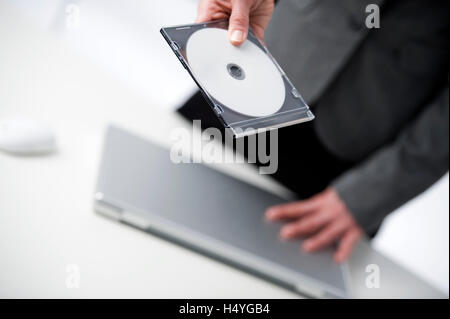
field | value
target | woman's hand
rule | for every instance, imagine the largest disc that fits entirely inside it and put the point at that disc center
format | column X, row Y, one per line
column 323, row 219
column 241, row 14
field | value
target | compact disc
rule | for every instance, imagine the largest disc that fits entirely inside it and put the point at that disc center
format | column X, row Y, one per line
column 243, row 78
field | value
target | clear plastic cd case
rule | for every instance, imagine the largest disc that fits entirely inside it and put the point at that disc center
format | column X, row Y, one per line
column 245, row 86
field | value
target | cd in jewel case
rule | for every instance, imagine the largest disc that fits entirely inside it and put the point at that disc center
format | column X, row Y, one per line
column 245, row 86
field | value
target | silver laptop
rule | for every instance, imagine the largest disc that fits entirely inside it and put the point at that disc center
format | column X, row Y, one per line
column 209, row 212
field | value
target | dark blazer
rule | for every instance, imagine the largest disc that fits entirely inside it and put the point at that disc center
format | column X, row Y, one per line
column 380, row 96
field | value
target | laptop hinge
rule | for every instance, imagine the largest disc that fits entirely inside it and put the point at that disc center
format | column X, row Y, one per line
column 107, row 209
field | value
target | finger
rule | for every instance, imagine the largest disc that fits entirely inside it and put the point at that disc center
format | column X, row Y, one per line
column 204, row 11
column 346, row 245
column 239, row 19
column 258, row 31
column 305, row 226
column 292, row 210
column 325, row 237
column 219, row 16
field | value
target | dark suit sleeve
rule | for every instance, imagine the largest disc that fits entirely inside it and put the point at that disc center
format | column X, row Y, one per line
column 399, row 171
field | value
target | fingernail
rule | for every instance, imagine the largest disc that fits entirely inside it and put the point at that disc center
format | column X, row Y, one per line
column 237, row 36
column 307, row 245
column 338, row 259
column 285, row 232
column 270, row 213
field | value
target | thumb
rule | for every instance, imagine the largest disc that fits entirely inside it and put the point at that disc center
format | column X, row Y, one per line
column 239, row 19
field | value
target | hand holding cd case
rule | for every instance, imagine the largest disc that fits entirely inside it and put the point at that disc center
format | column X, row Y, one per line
column 244, row 85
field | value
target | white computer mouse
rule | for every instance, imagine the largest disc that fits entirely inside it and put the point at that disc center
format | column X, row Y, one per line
column 24, row 136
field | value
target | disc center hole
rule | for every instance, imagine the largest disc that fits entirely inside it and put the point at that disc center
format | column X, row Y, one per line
column 235, row 71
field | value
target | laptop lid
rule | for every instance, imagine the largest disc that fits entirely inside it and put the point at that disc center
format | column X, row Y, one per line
column 207, row 211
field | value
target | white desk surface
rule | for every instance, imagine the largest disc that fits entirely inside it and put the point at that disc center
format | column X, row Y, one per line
column 46, row 216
